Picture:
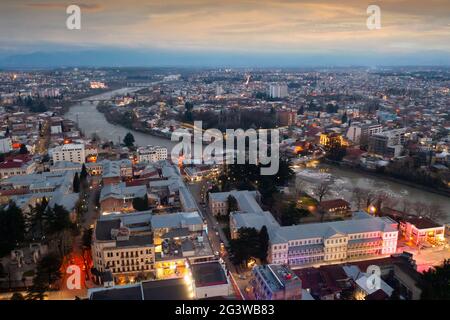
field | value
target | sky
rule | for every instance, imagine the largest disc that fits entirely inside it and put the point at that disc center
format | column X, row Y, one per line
column 416, row 30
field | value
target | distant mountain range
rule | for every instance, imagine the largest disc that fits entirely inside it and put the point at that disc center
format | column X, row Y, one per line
column 134, row 58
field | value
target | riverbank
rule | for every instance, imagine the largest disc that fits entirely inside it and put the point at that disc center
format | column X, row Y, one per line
column 91, row 121
column 386, row 177
column 116, row 118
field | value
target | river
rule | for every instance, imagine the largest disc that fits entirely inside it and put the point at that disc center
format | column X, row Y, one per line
column 90, row 121
column 344, row 180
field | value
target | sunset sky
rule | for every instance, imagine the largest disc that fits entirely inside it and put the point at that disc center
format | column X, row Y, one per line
column 308, row 27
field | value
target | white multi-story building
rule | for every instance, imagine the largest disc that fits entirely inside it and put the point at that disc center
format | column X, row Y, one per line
column 359, row 133
column 152, row 154
column 5, row 145
column 278, row 90
column 338, row 241
column 362, row 236
column 69, row 152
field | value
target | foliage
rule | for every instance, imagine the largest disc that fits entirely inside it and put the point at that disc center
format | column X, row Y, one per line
column 23, row 149
column 245, row 246
column 12, row 228
column 232, row 204
column 140, row 204
column 292, row 215
column 129, row 140
column 436, row 282
column 263, row 244
column 87, row 238
column 76, row 183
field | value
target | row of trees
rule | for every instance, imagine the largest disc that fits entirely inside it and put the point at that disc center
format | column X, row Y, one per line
column 364, row 198
column 80, row 181
column 42, row 221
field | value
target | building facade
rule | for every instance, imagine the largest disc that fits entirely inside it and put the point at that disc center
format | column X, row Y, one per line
column 361, row 237
column 69, row 152
column 151, row 154
column 275, row 282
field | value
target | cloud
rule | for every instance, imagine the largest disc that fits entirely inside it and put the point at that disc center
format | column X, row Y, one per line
column 233, row 25
column 90, row 7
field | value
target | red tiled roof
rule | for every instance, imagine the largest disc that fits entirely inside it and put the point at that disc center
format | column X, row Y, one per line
column 14, row 192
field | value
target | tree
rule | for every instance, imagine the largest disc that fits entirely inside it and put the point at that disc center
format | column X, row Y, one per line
column 58, row 219
column 23, row 149
column 435, row 211
column 381, row 198
column 436, row 282
column 12, row 228
column 357, row 196
column 291, row 215
column 335, row 151
column 420, row 208
column 17, row 296
column 263, row 244
column 245, row 246
column 48, row 269
column 344, row 118
column 83, row 176
column 87, row 238
column 76, row 183
column 47, row 272
column 38, row 218
column 140, row 204
column 323, row 189
column 129, row 140
column 232, row 204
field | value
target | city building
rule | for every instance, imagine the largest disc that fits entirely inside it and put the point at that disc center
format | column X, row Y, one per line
column 388, row 144
column 336, row 208
column 5, row 145
column 327, row 282
column 69, row 152
column 247, row 201
column 151, row 154
column 278, row 90
column 286, row 117
column 17, row 165
column 421, row 230
column 167, row 289
column 275, row 282
column 124, row 246
column 154, row 245
column 119, row 197
column 210, row 279
column 359, row 133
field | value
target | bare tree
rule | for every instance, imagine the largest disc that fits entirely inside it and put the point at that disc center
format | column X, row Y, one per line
column 323, row 189
column 407, row 206
column 420, row 208
column 368, row 197
column 358, row 196
column 381, row 198
column 434, row 211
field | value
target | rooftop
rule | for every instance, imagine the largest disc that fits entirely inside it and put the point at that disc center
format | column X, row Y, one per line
column 208, row 274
